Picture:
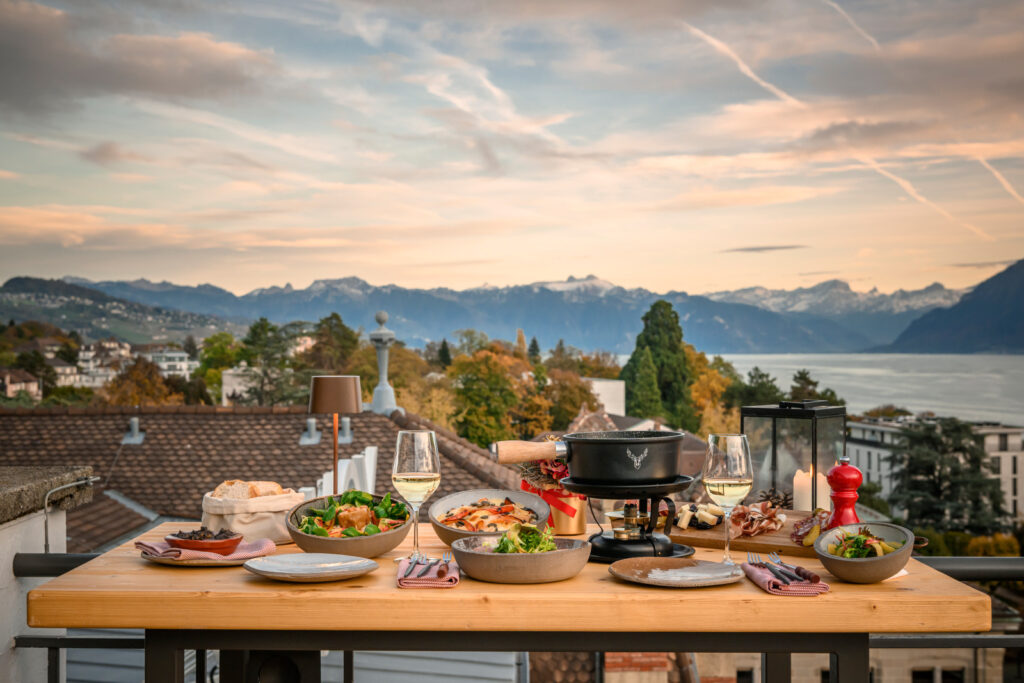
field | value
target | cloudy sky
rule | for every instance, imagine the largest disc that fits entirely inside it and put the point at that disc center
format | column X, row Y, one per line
column 672, row 145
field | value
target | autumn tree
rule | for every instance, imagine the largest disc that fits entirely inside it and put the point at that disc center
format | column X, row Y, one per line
column 407, row 370
column 334, row 342
column 470, row 341
column 192, row 391
column 521, row 350
column 599, row 364
column 139, row 383
column 563, row 357
column 943, row 478
column 484, row 397
column 567, row 393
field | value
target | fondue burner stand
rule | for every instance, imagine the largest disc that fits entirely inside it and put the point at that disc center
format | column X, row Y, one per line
column 636, row 537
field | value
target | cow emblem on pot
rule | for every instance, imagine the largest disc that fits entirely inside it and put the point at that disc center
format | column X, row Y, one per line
column 637, row 459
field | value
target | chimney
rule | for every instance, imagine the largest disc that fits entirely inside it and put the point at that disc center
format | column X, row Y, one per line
column 133, row 436
column 384, row 394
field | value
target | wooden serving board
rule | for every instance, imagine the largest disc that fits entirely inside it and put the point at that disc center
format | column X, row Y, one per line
column 778, row 541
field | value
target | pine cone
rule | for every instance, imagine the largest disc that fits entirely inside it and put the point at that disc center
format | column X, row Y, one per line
column 777, row 498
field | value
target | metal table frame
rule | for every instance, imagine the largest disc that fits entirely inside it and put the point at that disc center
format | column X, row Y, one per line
column 239, row 649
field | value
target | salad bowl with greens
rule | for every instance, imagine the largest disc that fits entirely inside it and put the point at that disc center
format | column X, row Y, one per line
column 523, row 554
column 351, row 523
column 864, row 553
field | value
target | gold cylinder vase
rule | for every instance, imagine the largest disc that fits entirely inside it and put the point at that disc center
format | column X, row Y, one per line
column 563, row 524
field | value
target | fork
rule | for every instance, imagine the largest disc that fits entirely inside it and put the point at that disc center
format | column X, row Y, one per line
column 755, row 559
column 443, row 569
column 804, row 574
column 414, row 560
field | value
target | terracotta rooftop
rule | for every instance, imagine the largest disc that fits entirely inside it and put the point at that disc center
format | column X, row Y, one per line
column 188, row 450
column 99, row 522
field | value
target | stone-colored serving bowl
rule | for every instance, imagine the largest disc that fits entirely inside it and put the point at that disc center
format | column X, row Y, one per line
column 360, row 546
column 448, row 534
column 476, row 557
column 868, row 569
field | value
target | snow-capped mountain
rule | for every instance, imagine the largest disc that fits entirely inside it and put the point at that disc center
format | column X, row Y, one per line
column 587, row 312
column 837, row 297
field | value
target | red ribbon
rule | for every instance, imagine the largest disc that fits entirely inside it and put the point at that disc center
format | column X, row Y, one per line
column 554, row 497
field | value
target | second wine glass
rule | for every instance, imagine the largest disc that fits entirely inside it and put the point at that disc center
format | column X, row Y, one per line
column 728, row 476
column 416, row 475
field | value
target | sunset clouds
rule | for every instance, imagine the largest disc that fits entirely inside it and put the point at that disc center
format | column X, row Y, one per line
column 456, row 143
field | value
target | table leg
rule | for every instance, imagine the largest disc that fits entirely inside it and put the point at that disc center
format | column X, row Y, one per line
column 348, row 662
column 850, row 660
column 165, row 662
column 776, row 667
column 232, row 666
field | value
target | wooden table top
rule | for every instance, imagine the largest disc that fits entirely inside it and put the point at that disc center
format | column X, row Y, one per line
column 121, row 590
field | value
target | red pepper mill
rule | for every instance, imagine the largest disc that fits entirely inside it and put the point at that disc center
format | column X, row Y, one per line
column 844, row 479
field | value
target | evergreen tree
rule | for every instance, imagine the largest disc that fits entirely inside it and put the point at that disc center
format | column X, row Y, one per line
column 663, row 337
column 334, row 342
column 534, row 351
column 760, row 389
column 444, row 354
column 265, row 348
column 35, row 363
column 806, row 387
column 642, row 396
column 190, row 347
column 942, row 478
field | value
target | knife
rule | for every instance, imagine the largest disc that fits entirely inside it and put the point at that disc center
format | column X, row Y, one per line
column 430, row 565
column 412, row 565
column 776, row 573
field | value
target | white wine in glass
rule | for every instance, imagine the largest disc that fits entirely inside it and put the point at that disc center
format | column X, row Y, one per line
column 727, row 476
column 416, row 475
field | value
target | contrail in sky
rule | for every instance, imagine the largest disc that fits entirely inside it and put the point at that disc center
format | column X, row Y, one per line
column 1002, row 180
column 912, row 191
column 907, row 186
column 856, row 27
column 724, row 49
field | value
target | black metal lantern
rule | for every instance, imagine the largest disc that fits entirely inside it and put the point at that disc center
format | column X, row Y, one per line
column 792, row 447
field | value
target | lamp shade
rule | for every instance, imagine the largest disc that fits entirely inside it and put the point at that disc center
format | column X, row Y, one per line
column 335, row 394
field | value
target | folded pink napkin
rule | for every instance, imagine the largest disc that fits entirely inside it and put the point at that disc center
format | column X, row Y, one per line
column 767, row 581
column 246, row 550
column 439, row 576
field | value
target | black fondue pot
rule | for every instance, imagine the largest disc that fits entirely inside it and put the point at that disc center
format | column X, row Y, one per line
column 604, row 457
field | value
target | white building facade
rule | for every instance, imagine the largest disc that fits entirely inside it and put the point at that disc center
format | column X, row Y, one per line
column 871, row 442
column 172, row 362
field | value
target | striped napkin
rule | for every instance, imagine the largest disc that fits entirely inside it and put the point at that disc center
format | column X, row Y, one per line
column 246, row 550
column 767, row 581
column 435, row 578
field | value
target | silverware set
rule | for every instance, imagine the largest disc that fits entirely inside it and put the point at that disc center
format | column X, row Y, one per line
column 786, row 573
column 428, row 564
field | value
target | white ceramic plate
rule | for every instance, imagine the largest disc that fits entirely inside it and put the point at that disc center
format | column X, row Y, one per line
column 310, row 567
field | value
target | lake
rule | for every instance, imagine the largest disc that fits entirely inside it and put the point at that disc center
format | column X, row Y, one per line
column 972, row 387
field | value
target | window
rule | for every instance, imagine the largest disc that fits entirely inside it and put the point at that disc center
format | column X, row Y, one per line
column 997, row 465
column 952, row 676
column 1015, row 464
column 1004, row 442
column 922, row 676
column 1014, row 507
column 871, row 677
column 745, row 676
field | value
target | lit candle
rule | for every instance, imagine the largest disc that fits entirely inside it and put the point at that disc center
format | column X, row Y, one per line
column 802, row 491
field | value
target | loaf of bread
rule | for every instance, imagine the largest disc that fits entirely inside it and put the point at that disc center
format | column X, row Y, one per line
column 237, row 489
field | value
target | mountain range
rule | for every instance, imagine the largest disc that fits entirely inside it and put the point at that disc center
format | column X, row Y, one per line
column 586, row 312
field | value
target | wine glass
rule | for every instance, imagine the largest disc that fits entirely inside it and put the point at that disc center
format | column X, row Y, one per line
column 416, row 475
column 727, row 475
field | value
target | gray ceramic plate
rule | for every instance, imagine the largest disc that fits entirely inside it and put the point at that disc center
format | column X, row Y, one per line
column 675, row 572
column 310, row 567
column 479, row 561
column 442, row 506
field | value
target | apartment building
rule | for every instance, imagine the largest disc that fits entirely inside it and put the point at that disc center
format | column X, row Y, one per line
column 172, row 362
column 871, row 442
